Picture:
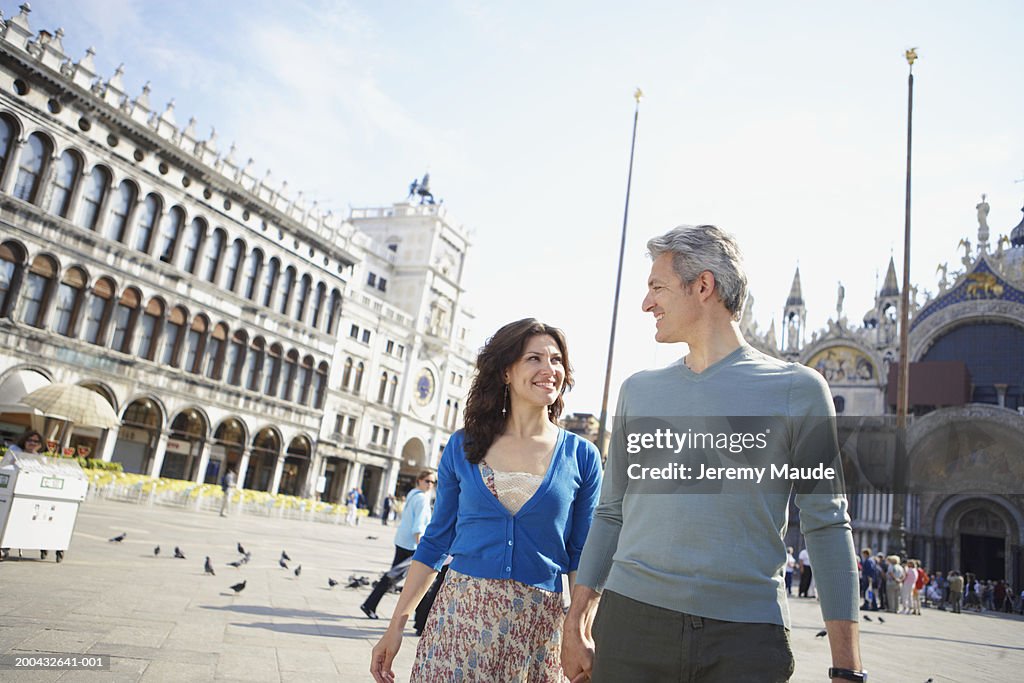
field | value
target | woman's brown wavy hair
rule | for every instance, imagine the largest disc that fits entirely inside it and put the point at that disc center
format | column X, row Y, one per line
column 484, row 421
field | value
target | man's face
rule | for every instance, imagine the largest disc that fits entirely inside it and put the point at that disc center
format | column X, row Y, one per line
column 675, row 307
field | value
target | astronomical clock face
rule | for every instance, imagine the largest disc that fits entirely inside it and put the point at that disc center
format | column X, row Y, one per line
column 424, row 387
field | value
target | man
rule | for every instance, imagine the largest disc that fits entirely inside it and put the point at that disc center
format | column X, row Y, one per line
column 894, row 582
column 790, row 568
column 407, row 537
column 230, row 479
column 956, row 590
column 806, row 575
column 868, row 580
column 690, row 586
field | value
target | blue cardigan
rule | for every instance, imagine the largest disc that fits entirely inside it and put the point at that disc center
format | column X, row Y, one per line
column 536, row 545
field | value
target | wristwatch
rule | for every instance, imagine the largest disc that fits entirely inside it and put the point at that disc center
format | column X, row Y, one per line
column 847, row 674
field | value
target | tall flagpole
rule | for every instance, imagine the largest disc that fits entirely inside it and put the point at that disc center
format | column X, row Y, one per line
column 601, row 430
column 899, row 508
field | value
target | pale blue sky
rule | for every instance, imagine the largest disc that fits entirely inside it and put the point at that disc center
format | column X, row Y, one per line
column 782, row 122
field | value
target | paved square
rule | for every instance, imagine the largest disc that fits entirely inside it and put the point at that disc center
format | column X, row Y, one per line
column 163, row 619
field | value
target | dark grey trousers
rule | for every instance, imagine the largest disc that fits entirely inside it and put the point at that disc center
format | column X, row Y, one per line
column 635, row 641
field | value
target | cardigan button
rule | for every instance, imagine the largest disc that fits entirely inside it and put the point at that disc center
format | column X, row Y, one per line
column 508, row 569
column 510, row 542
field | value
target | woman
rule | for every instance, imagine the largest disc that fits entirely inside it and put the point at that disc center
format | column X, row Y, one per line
column 29, row 442
column 514, row 503
column 906, row 593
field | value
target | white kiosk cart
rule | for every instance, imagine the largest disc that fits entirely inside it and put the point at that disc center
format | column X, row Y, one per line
column 39, row 498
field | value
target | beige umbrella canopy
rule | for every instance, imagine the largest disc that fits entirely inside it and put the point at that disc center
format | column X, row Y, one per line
column 75, row 404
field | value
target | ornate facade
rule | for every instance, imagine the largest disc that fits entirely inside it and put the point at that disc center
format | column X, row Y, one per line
column 965, row 437
column 229, row 325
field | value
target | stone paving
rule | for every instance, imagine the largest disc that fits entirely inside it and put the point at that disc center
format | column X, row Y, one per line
column 163, row 619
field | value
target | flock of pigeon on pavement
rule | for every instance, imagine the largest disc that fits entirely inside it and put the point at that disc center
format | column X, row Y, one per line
column 354, row 581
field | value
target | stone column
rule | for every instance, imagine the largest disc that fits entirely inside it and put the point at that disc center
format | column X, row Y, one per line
column 276, row 481
column 204, row 461
column 105, row 450
column 158, row 455
column 11, row 169
column 243, row 467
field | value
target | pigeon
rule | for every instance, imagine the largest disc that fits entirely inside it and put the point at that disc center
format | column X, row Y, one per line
column 178, row 554
column 821, row 634
column 372, row 538
column 331, row 582
column 867, row 618
column 298, row 570
column 236, row 564
column 156, row 551
column 208, row 568
column 238, row 587
column 248, row 556
column 241, row 550
column 284, row 556
column 282, row 563
column 119, row 537
column 881, row 620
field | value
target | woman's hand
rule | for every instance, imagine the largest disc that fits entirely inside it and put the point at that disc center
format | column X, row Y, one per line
column 383, row 655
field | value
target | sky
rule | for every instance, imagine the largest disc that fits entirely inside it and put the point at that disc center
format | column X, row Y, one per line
column 784, row 123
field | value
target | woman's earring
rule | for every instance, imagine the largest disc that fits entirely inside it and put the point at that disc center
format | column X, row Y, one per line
column 504, row 403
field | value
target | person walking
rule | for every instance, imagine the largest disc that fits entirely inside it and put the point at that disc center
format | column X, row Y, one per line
column 515, row 499
column 227, row 485
column 689, row 586
column 407, row 537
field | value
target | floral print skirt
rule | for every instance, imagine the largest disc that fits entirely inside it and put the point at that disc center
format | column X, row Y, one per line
column 491, row 630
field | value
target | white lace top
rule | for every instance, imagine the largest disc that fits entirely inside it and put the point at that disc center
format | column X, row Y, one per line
column 512, row 489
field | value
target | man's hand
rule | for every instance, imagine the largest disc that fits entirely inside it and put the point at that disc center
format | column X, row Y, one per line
column 577, row 642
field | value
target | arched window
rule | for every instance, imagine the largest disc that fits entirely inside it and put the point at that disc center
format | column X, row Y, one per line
column 236, row 357
column 195, row 344
column 215, row 351
column 95, row 189
column 455, row 415
column 269, row 280
column 291, row 373
column 120, row 207
column 170, row 229
column 38, row 289
column 305, row 380
column 320, row 385
column 346, row 375
column 149, row 214
column 68, row 167
column 252, row 273
column 212, row 255
column 7, row 132
column 125, row 315
column 382, row 390
column 447, row 412
column 303, row 298
column 319, row 300
column 393, row 390
column 96, row 313
column 334, row 312
column 11, row 259
column 234, row 265
column 273, row 374
column 359, row 378
column 69, row 300
column 254, row 367
column 33, row 161
column 173, row 334
column 149, row 331
column 285, row 293
column 193, row 242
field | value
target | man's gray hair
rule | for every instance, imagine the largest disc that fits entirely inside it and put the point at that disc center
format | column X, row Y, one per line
column 696, row 248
